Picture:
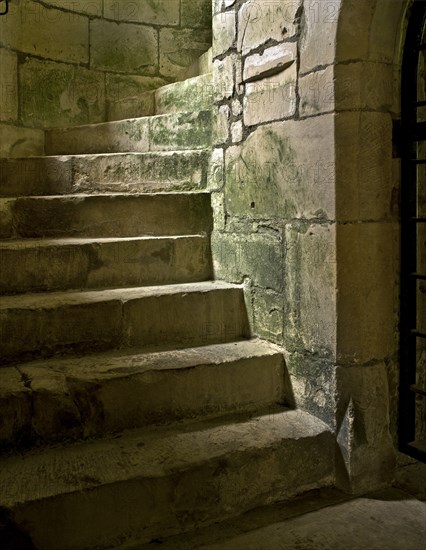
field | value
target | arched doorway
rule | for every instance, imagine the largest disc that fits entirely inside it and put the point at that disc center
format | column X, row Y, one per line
column 412, row 412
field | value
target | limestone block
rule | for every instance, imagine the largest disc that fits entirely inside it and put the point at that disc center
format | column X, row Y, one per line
column 177, row 131
column 57, row 94
column 223, row 78
column 364, row 143
column 155, row 12
column 257, row 256
column 367, row 291
column 6, row 218
column 366, row 86
column 123, row 47
column 180, row 48
column 130, row 96
column 259, row 22
column 237, row 131
column 15, row 407
column 88, row 7
column 268, row 315
column 384, row 27
column 196, row 14
column 46, row 32
column 310, row 288
column 271, row 61
column 318, row 36
column 193, row 94
column 316, row 92
column 274, row 174
column 8, row 86
column 354, row 18
column 219, row 213
column 272, row 98
column 224, row 32
column 221, row 125
column 16, row 141
column 216, row 171
column 368, row 457
column 237, row 107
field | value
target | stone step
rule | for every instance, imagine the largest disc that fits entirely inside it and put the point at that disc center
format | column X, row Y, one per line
column 105, row 215
column 127, row 172
column 42, row 325
column 159, row 387
column 152, row 483
column 203, row 65
column 166, row 132
column 47, row 265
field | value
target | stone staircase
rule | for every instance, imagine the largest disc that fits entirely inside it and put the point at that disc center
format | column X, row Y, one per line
column 134, row 403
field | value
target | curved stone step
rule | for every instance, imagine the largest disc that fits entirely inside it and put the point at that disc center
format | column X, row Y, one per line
column 156, row 482
column 92, row 396
column 34, row 325
column 61, row 264
column 167, row 132
column 125, row 172
column 106, row 215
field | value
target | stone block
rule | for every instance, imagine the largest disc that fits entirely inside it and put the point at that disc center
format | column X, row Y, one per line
column 15, row 409
column 57, row 94
column 215, row 179
column 155, row 12
column 88, row 7
column 8, row 85
column 258, row 256
column 271, row 98
column 48, row 32
column 221, row 118
column 316, row 92
column 366, row 190
column 178, row 131
column 17, row 141
column 130, row 96
column 367, row 291
column 353, row 18
column 318, row 36
column 259, row 22
column 237, row 131
column 363, row 435
column 310, row 289
column 272, row 61
column 223, row 78
column 180, row 48
column 224, row 32
column 123, row 47
column 193, row 94
column 273, row 173
column 196, row 14
column 268, row 315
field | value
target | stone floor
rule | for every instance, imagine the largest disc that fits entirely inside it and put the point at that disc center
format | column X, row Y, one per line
column 391, row 519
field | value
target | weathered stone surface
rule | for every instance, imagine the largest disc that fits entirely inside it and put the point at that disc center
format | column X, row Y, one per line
column 221, row 128
column 180, row 48
column 271, row 98
column 353, row 19
column 8, row 86
column 363, row 428
column 6, row 218
column 271, row 62
column 117, row 215
column 48, row 265
column 317, row 91
column 123, row 47
column 224, row 32
column 258, row 256
column 259, row 22
column 162, row 471
column 273, row 174
column 237, row 131
column 17, row 141
column 89, row 7
column 268, row 315
column 130, row 96
column 32, row 28
column 366, row 333
column 215, row 178
column 223, row 78
column 72, row 322
column 196, row 14
column 366, row 191
column 155, row 12
column 57, row 94
column 193, row 94
column 180, row 131
column 15, row 407
column 310, row 284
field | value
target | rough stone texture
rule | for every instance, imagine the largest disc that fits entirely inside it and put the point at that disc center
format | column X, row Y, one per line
column 123, row 47
column 16, row 141
column 15, row 406
column 221, row 117
column 196, row 14
column 268, row 315
column 258, row 22
column 32, row 28
column 48, row 265
column 368, row 457
column 74, row 322
column 250, row 459
column 223, row 78
column 272, row 61
column 193, row 94
column 316, row 92
column 8, row 86
column 179, row 131
column 272, row 174
column 179, row 48
column 156, row 12
column 224, row 32
column 271, row 98
column 57, row 94
column 88, row 7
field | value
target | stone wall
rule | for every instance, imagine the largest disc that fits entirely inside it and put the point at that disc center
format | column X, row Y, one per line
column 306, row 203
column 66, row 63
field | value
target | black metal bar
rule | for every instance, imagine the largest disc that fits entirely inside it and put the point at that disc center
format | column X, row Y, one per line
column 419, row 276
column 419, row 161
column 420, row 104
column 418, row 220
column 410, row 449
column 418, row 334
column 418, row 390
